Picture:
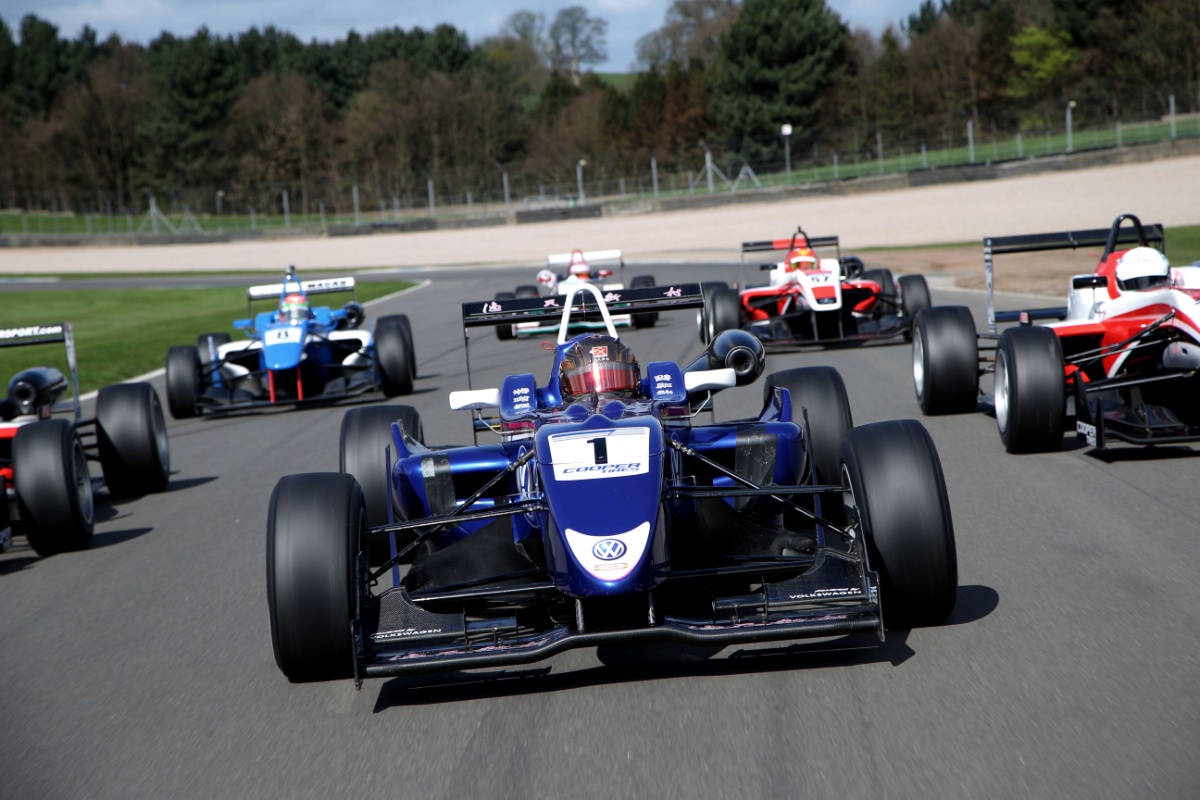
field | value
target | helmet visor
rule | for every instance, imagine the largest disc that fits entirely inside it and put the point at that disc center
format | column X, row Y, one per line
column 601, row 376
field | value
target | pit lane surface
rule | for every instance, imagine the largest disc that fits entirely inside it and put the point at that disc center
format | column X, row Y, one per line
column 143, row 667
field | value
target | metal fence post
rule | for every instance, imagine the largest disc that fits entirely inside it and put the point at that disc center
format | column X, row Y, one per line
column 357, row 210
column 654, row 174
column 321, row 206
column 708, row 169
column 432, row 199
column 924, row 157
column 287, row 211
column 1171, row 106
column 971, row 141
column 835, row 166
column 507, row 199
column 879, row 149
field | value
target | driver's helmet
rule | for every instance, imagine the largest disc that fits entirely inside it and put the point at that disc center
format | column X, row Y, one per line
column 578, row 266
column 1143, row 268
column 801, row 258
column 598, row 364
column 293, row 308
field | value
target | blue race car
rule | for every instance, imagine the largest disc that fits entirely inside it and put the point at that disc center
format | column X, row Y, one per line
column 293, row 354
column 603, row 514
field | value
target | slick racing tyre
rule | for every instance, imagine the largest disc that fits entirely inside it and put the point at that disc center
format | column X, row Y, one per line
column 53, row 487
column 897, row 491
column 706, row 288
column 914, row 296
column 313, row 527
column 504, row 332
column 722, row 312
column 132, row 438
column 365, row 439
column 647, row 319
column 1030, row 390
column 886, row 281
column 821, row 392
column 945, row 360
column 183, row 381
column 392, row 355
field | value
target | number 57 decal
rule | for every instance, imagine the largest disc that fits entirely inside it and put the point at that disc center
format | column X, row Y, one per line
column 588, row 455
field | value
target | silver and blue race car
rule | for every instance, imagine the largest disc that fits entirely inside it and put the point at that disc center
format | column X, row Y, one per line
column 603, row 513
column 295, row 353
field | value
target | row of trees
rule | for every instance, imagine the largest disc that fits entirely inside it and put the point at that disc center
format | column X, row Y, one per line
column 95, row 122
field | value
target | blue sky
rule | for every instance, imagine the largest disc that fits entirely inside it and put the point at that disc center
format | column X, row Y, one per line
column 143, row 20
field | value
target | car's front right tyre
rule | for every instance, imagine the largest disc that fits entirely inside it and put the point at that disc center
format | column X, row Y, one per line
column 314, row 525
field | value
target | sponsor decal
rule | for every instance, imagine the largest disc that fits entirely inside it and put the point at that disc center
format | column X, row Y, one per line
column 492, row 307
column 823, row 594
column 1087, row 431
column 550, row 302
column 612, row 297
column 30, row 331
column 633, row 468
column 406, row 633
column 673, row 292
column 600, row 352
column 608, row 549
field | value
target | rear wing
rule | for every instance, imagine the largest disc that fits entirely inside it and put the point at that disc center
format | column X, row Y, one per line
column 589, row 257
column 1110, row 238
column 272, row 291
column 48, row 334
column 489, row 313
column 801, row 240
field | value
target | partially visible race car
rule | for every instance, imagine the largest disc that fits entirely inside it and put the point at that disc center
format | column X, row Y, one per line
column 580, row 268
column 813, row 300
column 602, row 514
column 1122, row 357
column 49, row 492
column 294, row 353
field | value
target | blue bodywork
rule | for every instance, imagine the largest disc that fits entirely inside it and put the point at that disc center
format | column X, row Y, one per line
column 608, row 518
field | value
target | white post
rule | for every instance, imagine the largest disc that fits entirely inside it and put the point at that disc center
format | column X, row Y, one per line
column 835, row 166
column 1119, row 144
column 971, row 141
column 1020, row 147
column 879, row 149
column 357, row 210
column 1070, row 142
column 579, row 165
column 654, row 174
column 287, row 211
column 507, row 199
column 432, row 199
column 1171, row 106
column 924, row 157
column 708, row 169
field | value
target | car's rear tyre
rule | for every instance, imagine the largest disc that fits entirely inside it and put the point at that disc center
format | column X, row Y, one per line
column 897, row 488
column 1030, row 390
column 914, row 297
column 53, row 487
column 504, row 332
column 886, row 281
column 183, row 381
column 409, row 346
column 647, row 319
column 706, row 289
column 392, row 347
column 526, row 291
column 722, row 312
column 313, row 527
column 132, row 438
column 365, row 436
column 945, row 360
column 822, row 392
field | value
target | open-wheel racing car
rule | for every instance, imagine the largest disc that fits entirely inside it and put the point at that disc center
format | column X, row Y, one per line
column 811, row 300
column 1122, row 357
column 604, row 515
column 49, row 493
column 580, row 268
column 294, row 353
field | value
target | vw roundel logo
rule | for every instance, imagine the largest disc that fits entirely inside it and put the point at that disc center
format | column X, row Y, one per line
column 608, row 549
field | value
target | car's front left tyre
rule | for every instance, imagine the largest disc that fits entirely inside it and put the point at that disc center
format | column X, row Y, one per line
column 132, row 438
column 313, row 527
column 896, row 489
column 392, row 353
column 1030, row 390
column 183, row 381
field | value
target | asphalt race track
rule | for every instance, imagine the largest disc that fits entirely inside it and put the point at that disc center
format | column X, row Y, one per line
column 142, row 668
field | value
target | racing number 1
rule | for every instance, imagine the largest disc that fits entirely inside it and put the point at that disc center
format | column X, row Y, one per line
column 600, row 449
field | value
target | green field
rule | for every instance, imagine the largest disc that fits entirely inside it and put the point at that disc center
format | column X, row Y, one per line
column 120, row 333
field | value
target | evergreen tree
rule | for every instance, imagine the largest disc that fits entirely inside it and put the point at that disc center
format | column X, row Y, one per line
column 775, row 61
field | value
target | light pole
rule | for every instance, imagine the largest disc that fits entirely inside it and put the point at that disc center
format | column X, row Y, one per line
column 579, row 165
column 786, row 130
column 220, row 196
column 1070, row 147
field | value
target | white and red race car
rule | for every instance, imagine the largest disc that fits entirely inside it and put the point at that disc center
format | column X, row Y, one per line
column 1122, row 357
column 813, row 301
column 591, row 267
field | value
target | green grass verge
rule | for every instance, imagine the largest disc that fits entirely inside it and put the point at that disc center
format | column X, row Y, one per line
column 120, row 333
